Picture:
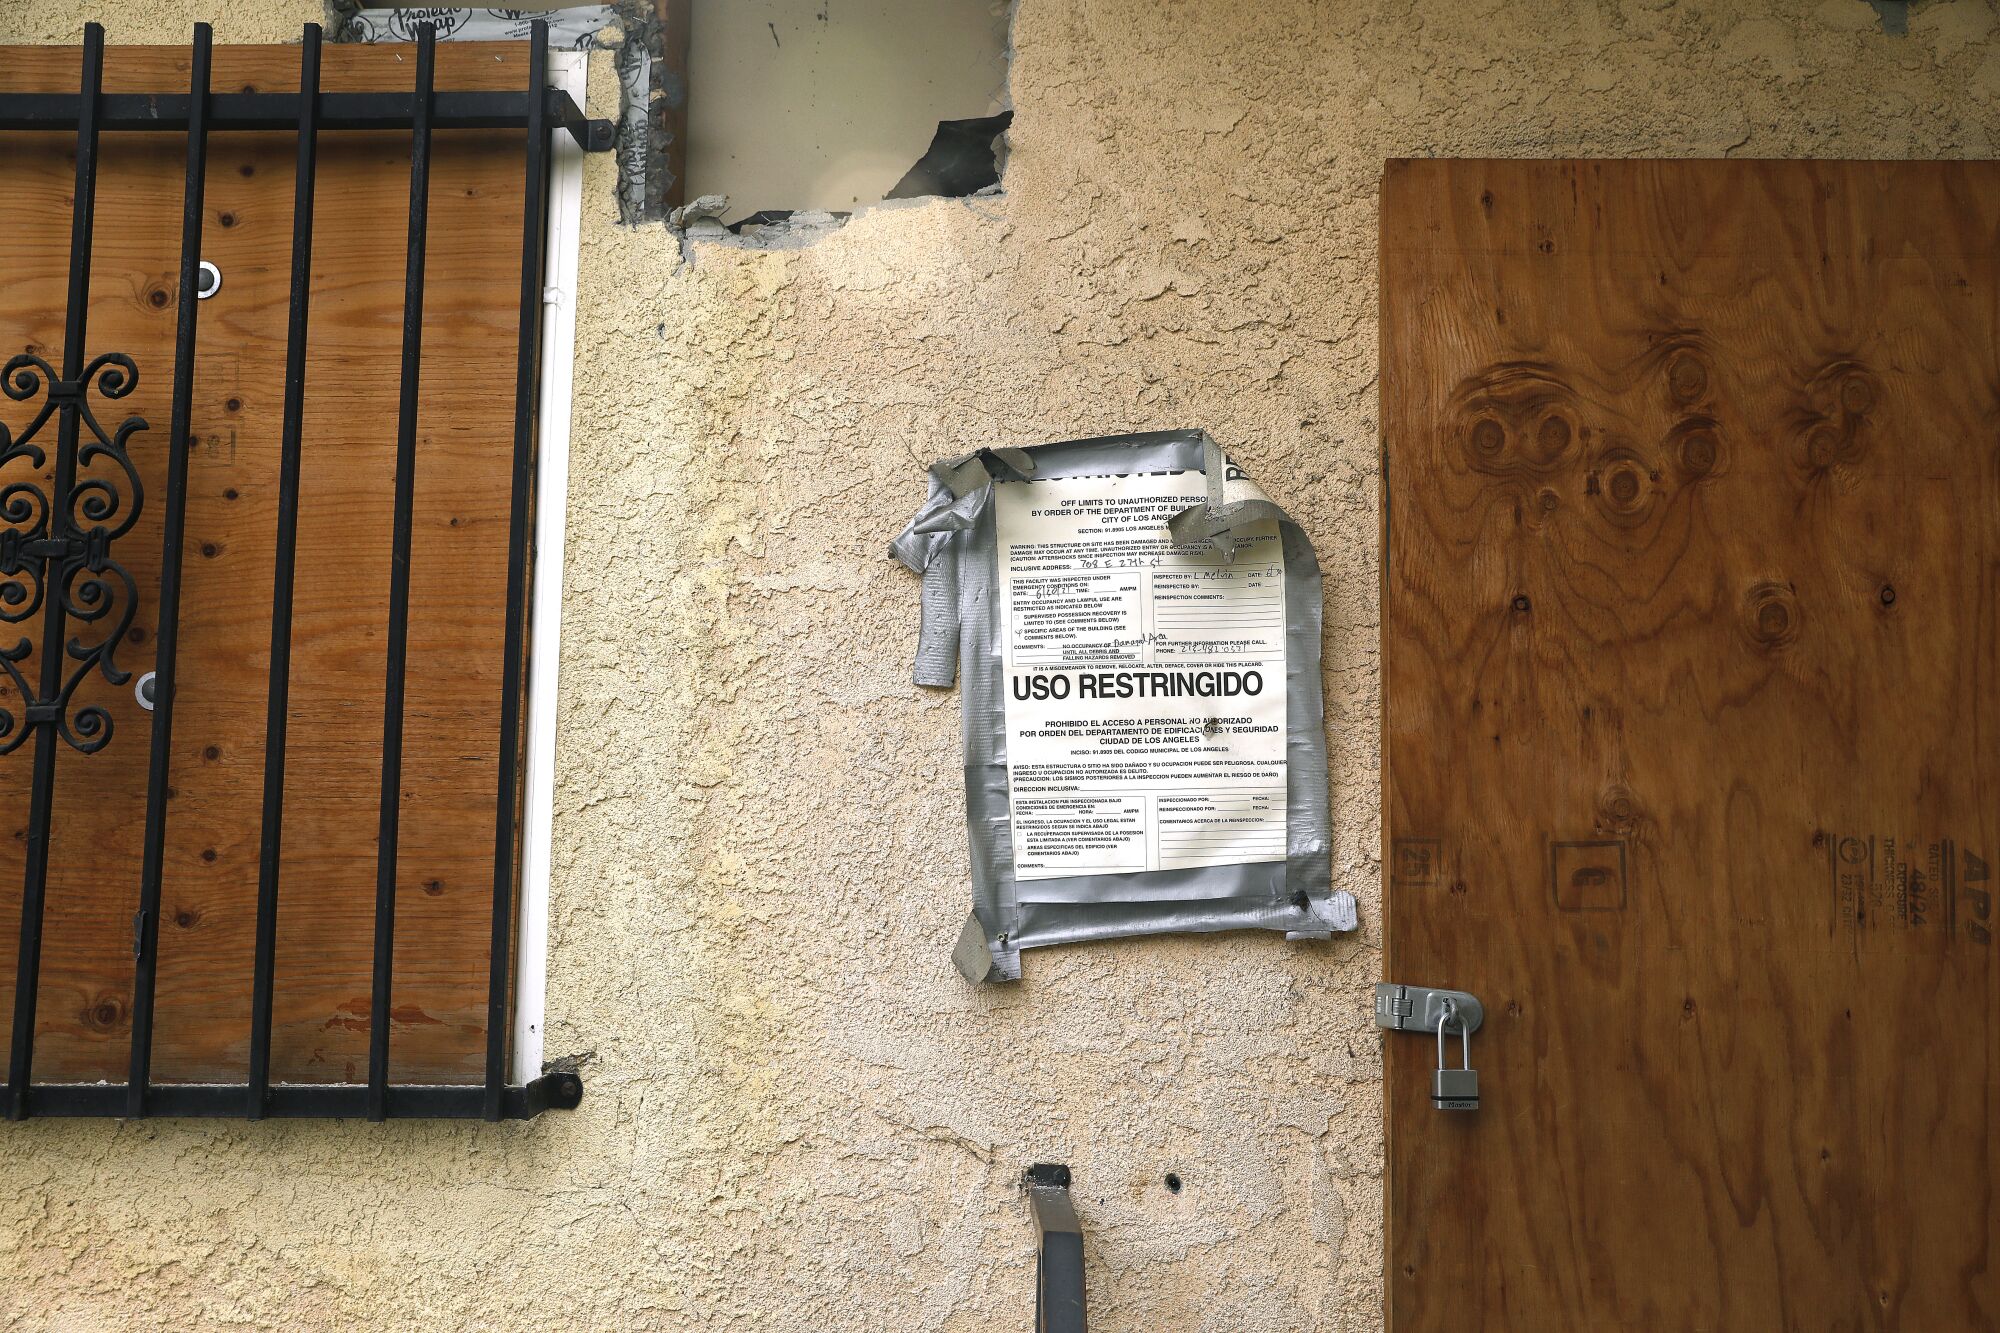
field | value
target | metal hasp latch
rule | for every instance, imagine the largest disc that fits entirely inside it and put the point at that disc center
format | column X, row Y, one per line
column 1431, row 1010
column 1059, row 1258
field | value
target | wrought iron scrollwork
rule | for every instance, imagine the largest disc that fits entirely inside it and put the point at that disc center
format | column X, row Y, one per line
column 55, row 541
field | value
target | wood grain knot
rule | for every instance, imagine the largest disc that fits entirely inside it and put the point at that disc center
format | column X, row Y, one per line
column 1680, row 362
column 1771, row 614
column 1517, row 417
column 1834, row 416
column 106, row 1013
column 1617, row 809
column 1552, row 438
column 1623, row 486
column 1687, row 378
column 1695, row 445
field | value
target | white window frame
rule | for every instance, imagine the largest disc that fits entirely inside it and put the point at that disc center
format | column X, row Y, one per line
column 567, row 70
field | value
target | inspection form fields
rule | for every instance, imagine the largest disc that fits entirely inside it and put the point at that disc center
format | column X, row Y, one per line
column 1145, row 682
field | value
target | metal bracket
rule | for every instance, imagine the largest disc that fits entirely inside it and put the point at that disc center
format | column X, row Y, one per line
column 1059, row 1260
column 1422, row 1008
column 592, row 136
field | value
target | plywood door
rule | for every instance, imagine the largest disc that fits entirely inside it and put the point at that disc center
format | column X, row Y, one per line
column 1691, row 623
column 458, row 577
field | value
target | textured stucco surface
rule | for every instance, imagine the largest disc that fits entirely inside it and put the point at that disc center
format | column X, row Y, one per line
column 797, row 1117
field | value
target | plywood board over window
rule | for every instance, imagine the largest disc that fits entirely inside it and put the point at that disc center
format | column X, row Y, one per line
column 1691, row 626
column 458, row 578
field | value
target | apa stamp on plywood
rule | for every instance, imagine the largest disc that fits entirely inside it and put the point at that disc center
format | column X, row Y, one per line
column 1882, row 882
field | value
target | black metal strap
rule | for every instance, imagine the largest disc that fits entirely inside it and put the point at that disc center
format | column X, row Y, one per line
column 401, row 524
column 338, row 111
column 278, row 699
column 560, row 1091
column 28, row 964
column 167, row 638
column 1059, row 1304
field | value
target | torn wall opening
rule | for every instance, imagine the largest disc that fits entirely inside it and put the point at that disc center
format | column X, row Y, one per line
column 821, row 107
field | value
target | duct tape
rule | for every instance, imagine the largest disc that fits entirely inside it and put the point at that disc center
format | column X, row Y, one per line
column 1079, row 570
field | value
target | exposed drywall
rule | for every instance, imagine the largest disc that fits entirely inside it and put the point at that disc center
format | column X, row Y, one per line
column 797, row 1117
column 824, row 104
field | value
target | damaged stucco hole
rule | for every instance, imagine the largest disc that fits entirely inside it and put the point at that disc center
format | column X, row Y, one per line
column 963, row 160
column 1894, row 15
column 770, row 125
column 801, row 113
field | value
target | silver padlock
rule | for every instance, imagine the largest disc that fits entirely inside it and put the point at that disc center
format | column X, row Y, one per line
column 1455, row 1089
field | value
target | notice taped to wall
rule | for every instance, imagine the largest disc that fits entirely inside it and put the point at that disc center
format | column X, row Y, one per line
column 1134, row 627
column 1145, row 682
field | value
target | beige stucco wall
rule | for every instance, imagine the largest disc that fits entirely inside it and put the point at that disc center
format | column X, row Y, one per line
column 797, row 1117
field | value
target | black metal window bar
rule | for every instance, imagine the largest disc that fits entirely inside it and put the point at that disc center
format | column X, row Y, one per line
column 55, row 561
column 1059, row 1303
